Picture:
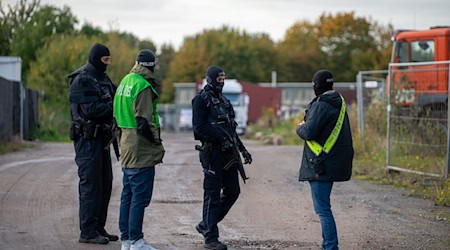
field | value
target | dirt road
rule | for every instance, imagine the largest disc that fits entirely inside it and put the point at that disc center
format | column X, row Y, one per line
column 39, row 205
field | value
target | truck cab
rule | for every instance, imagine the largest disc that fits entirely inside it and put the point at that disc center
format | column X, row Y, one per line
column 421, row 82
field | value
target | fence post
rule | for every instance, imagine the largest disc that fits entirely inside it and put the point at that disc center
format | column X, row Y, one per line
column 447, row 169
column 22, row 110
column 360, row 101
column 388, row 120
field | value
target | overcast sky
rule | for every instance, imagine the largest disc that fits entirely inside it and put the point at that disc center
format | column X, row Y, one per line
column 169, row 21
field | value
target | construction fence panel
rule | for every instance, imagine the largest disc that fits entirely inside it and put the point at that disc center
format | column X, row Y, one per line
column 417, row 121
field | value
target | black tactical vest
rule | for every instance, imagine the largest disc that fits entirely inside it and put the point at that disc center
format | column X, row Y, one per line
column 221, row 111
column 88, row 87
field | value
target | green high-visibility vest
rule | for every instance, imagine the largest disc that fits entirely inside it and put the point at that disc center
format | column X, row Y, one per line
column 331, row 140
column 129, row 88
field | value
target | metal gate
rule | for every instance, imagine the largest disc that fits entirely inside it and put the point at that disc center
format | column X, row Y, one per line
column 417, row 120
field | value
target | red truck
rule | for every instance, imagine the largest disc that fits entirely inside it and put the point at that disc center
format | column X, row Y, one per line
column 420, row 82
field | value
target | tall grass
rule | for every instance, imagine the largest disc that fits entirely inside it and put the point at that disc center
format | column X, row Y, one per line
column 54, row 122
column 14, row 144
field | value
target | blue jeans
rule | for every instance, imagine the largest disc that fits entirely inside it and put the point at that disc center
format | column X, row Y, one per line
column 136, row 195
column 321, row 191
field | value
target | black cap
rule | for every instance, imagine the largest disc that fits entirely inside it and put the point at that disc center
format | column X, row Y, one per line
column 97, row 51
column 146, row 58
column 323, row 81
column 323, row 77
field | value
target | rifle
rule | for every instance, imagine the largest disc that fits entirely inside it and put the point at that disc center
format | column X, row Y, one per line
column 113, row 140
column 236, row 157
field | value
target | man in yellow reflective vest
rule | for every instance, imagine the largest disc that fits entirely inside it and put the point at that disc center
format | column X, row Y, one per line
column 136, row 113
column 328, row 151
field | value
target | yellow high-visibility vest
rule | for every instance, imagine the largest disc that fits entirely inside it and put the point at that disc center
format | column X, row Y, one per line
column 331, row 140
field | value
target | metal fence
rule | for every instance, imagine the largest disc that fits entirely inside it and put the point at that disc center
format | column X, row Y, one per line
column 417, row 120
column 173, row 119
column 370, row 87
column 19, row 110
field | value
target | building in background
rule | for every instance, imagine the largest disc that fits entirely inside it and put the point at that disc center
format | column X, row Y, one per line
column 295, row 96
column 19, row 105
column 287, row 98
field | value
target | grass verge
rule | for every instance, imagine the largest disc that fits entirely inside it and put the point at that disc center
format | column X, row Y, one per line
column 370, row 154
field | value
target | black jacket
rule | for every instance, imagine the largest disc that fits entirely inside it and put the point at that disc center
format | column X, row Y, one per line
column 91, row 95
column 205, row 115
column 321, row 116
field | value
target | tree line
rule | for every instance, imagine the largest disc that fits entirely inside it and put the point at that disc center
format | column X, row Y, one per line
column 51, row 46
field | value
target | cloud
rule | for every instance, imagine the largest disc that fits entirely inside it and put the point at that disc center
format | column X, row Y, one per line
column 172, row 20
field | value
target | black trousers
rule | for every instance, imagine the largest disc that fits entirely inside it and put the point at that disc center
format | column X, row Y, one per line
column 95, row 173
column 221, row 190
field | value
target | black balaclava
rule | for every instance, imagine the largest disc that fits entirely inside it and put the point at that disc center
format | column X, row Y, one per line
column 211, row 78
column 323, row 81
column 147, row 59
column 97, row 52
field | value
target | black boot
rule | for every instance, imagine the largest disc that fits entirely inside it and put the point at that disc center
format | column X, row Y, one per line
column 216, row 245
column 201, row 229
column 96, row 240
column 111, row 237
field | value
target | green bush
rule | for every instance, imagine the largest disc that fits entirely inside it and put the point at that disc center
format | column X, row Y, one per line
column 54, row 123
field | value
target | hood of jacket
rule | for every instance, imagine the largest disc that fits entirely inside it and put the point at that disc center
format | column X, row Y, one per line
column 146, row 73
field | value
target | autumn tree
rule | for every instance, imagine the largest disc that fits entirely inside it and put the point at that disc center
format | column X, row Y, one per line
column 90, row 30
column 123, row 56
column 13, row 17
column 33, row 28
column 50, row 70
column 299, row 53
column 247, row 57
column 147, row 44
column 49, row 77
column 351, row 44
column 165, row 57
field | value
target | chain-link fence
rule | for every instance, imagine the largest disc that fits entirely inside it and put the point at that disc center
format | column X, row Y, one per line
column 417, row 120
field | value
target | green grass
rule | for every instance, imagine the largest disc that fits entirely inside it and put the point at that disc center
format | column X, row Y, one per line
column 13, row 145
column 54, row 123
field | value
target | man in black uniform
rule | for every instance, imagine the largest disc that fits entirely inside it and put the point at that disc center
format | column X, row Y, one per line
column 91, row 106
column 214, row 125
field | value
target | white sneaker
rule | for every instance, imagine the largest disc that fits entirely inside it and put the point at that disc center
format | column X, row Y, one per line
column 141, row 245
column 126, row 245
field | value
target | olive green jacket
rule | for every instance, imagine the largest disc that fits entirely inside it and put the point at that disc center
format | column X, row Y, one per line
column 136, row 150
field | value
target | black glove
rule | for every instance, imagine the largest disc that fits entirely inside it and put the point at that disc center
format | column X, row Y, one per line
column 143, row 129
column 247, row 157
column 319, row 168
column 158, row 141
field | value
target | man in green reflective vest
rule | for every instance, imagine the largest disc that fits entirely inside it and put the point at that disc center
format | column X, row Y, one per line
column 136, row 113
column 328, row 151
